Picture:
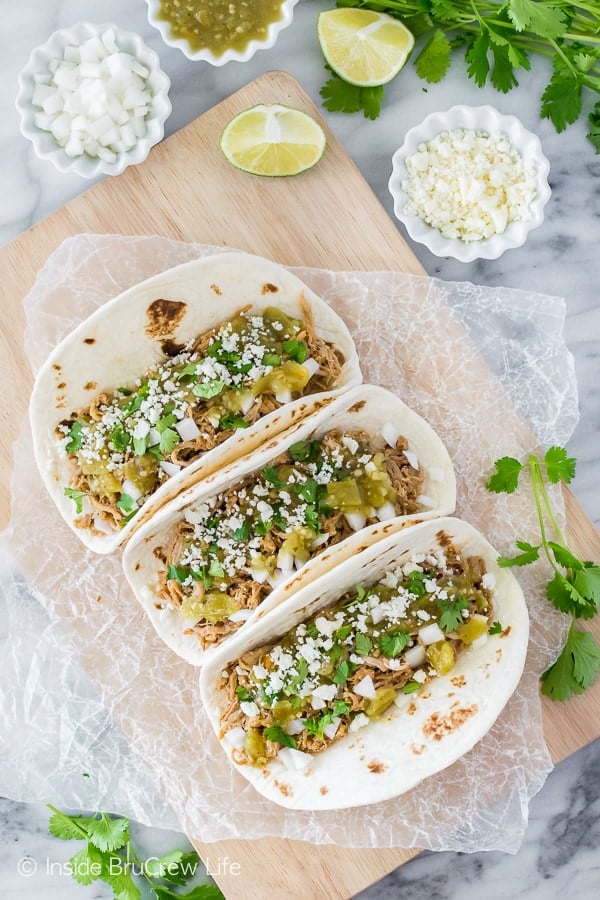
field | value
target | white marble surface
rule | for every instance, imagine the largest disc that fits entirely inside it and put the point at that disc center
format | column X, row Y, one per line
column 559, row 852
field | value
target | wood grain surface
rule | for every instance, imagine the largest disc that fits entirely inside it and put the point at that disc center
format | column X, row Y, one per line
column 327, row 217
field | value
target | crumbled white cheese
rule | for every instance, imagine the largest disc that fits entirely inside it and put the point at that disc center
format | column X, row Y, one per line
column 469, row 184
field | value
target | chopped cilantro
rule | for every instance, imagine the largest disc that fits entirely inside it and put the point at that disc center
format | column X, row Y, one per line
column 362, row 644
column 243, row 693
column 77, row 497
column 168, row 441
column 279, row 736
column 340, row 707
column 495, row 628
column 216, row 569
column 125, row 503
column 75, row 437
column 120, row 438
column 177, row 573
column 229, row 420
column 140, row 445
column 208, row 389
column 410, row 687
column 451, row 611
column 415, row 583
column 243, row 532
column 343, row 632
column 270, row 474
column 305, row 451
column 316, row 725
column 343, row 671
column 271, row 359
column 312, row 630
column 393, row 643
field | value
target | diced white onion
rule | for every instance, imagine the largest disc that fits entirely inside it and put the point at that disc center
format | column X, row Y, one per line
column 415, row 656
column 425, row 500
column 285, row 561
column 330, row 730
column 390, row 433
column 260, row 575
column 412, row 458
column 131, row 489
column 355, row 520
column 350, row 443
column 247, row 402
column 214, row 419
column 358, row 722
column 249, row 708
column 319, row 541
column 431, row 633
column 240, row 615
column 295, row 726
column 91, row 97
column 187, row 429
column 153, row 437
column 420, row 676
column 480, row 641
column 387, row 511
column 325, row 691
column 317, row 702
column 169, row 468
column 235, row 737
column 311, row 366
column 365, row 688
column 294, row 759
column 283, row 396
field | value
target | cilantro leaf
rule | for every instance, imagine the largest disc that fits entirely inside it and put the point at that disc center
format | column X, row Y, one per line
column 541, row 18
column 243, row 532
column 67, row 828
column 140, row 445
column 340, row 707
column 208, row 389
column 107, row 833
column 393, row 643
column 433, row 60
column 316, row 724
column 279, row 736
column 495, row 628
column 477, row 59
column 410, row 687
column 559, row 467
column 75, row 437
column 177, row 573
column 564, row 557
column 503, row 75
column 120, row 880
column 342, row 672
column 529, row 555
column 230, row 420
column 87, row 865
column 180, row 866
column 120, row 438
column 77, row 497
column 415, row 583
column 168, row 440
column 561, row 100
column 362, row 644
column 243, row 693
column 594, row 133
column 566, row 597
column 125, row 503
column 303, row 451
column 587, row 581
column 505, row 479
column 452, row 616
column 575, row 669
column 339, row 96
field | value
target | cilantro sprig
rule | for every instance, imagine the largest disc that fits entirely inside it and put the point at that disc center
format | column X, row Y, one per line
column 109, row 856
column 574, row 588
column 498, row 38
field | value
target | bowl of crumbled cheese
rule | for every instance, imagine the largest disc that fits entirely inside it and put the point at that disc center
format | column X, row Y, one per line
column 93, row 99
column 470, row 183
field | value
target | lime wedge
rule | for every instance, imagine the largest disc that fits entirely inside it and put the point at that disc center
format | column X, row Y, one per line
column 363, row 47
column 273, row 140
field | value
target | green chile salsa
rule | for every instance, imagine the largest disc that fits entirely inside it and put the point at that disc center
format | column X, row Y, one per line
column 127, row 443
column 333, row 673
column 220, row 25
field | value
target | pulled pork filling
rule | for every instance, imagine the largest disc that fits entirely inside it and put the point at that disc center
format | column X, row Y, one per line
column 229, row 552
column 348, row 664
column 126, row 444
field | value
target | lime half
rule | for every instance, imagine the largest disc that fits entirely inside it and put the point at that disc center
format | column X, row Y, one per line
column 363, row 47
column 273, row 140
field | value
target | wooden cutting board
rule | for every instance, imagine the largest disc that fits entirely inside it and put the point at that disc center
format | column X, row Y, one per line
column 327, row 217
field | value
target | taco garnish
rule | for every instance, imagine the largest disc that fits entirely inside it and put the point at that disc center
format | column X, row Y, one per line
column 228, row 552
column 126, row 444
column 346, row 665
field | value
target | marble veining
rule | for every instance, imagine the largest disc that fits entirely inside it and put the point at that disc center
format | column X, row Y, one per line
column 559, row 852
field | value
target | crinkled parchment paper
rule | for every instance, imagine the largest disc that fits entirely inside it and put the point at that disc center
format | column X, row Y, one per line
column 87, row 685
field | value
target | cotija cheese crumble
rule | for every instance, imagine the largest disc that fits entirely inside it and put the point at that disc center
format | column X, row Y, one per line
column 469, row 184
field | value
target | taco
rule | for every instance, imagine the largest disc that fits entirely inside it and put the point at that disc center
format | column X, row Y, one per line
column 176, row 377
column 375, row 676
column 240, row 542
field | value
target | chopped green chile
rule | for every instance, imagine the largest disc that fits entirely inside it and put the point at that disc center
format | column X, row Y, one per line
column 331, row 674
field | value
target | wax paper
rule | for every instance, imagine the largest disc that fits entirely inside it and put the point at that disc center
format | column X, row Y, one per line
column 99, row 714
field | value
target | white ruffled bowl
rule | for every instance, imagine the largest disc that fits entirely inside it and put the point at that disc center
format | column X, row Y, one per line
column 287, row 14
column 45, row 145
column 475, row 118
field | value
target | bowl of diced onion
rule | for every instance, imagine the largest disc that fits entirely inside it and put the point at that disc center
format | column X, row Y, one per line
column 93, row 99
column 470, row 183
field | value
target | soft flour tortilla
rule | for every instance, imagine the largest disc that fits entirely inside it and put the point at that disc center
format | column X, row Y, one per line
column 119, row 342
column 429, row 729
column 366, row 407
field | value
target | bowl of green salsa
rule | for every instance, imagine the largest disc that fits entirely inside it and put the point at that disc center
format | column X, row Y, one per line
column 219, row 31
